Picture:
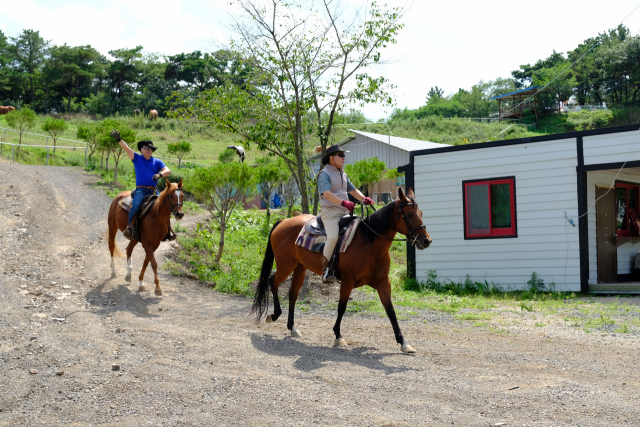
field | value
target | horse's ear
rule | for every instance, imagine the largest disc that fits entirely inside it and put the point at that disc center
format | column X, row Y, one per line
column 180, row 185
column 411, row 194
column 401, row 194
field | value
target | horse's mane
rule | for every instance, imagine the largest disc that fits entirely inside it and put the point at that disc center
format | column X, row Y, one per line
column 378, row 222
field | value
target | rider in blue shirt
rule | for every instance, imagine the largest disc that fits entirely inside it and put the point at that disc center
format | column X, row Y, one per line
column 148, row 171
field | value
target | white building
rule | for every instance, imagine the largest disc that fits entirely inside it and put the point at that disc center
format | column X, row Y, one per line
column 496, row 210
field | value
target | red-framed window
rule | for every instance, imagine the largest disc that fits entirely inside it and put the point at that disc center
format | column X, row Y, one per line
column 627, row 204
column 490, row 208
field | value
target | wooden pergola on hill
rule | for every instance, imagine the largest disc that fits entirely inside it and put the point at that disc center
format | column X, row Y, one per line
column 513, row 105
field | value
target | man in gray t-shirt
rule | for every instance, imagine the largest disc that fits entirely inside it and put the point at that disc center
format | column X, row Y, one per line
column 334, row 186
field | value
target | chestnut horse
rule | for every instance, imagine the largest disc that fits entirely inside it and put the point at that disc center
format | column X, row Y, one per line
column 366, row 261
column 152, row 229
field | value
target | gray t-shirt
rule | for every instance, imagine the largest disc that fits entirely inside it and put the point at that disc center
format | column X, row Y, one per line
column 324, row 183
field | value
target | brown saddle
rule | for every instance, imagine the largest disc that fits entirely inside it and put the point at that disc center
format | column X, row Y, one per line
column 147, row 203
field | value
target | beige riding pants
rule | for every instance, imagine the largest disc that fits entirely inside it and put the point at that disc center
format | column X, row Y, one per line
column 330, row 218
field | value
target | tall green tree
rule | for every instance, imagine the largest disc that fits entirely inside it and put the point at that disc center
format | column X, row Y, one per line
column 222, row 188
column 366, row 172
column 302, row 61
column 29, row 50
column 76, row 68
column 54, row 127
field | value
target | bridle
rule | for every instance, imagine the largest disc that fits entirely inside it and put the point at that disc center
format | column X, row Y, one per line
column 179, row 205
column 411, row 238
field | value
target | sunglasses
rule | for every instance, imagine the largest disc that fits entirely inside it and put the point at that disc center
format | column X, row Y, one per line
column 146, row 148
column 340, row 155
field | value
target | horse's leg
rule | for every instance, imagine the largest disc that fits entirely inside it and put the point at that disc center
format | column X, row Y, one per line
column 132, row 244
column 345, row 293
column 154, row 265
column 113, row 230
column 296, row 283
column 275, row 280
column 384, row 292
column 141, row 287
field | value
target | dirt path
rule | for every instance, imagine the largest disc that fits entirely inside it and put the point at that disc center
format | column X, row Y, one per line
column 192, row 357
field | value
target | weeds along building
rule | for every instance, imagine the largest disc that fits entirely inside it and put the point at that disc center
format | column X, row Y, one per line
column 499, row 211
column 393, row 150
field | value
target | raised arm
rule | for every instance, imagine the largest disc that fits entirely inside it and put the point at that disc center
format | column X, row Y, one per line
column 116, row 135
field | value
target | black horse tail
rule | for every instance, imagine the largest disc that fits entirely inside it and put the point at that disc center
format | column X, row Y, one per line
column 261, row 299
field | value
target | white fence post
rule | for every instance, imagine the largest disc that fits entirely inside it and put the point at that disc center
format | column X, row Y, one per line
column 47, row 142
column 47, row 156
column 14, row 153
column 85, row 157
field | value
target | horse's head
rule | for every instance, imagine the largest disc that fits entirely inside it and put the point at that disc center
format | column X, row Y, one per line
column 175, row 198
column 412, row 225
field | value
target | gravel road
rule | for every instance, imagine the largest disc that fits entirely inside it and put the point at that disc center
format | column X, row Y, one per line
column 80, row 348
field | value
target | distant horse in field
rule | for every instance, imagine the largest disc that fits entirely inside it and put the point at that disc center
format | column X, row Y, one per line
column 365, row 262
column 6, row 110
column 153, row 114
column 136, row 112
column 152, row 228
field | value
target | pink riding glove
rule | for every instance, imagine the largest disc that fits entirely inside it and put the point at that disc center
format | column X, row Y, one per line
column 367, row 201
column 349, row 205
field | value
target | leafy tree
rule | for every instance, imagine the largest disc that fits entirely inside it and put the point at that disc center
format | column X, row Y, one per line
column 179, row 149
column 76, row 68
column 29, row 50
column 90, row 133
column 300, row 63
column 434, row 94
column 270, row 175
column 221, row 188
column 366, row 172
column 110, row 145
column 124, row 73
column 5, row 70
column 21, row 120
column 54, row 127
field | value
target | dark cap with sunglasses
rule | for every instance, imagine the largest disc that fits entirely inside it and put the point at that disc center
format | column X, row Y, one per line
column 332, row 151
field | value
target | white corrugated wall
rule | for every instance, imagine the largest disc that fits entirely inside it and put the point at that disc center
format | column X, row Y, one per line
column 546, row 186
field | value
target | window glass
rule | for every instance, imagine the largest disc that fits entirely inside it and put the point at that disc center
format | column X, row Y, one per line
column 501, row 205
column 621, row 208
column 478, row 208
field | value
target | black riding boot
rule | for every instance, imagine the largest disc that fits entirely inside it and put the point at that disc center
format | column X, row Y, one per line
column 328, row 276
column 170, row 234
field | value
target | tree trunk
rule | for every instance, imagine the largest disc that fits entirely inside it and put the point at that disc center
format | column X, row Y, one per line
column 107, row 168
column 115, row 174
column 102, row 161
column 223, row 227
column 54, row 145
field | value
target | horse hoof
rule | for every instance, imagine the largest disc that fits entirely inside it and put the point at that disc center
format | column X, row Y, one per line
column 340, row 342
column 406, row 348
column 295, row 332
column 158, row 291
column 127, row 278
column 114, row 275
column 269, row 319
column 141, row 288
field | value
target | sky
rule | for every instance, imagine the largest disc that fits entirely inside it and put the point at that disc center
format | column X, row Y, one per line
column 450, row 44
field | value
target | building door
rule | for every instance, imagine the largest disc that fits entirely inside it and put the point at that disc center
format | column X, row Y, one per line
column 605, row 230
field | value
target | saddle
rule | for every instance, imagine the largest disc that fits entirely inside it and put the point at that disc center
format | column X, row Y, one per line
column 313, row 235
column 147, row 203
column 315, row 225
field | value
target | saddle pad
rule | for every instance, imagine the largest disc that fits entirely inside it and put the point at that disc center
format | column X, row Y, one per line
column 315, row 242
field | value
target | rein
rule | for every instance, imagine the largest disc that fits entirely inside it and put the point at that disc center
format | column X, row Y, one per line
column 179, row 193
column 411, row 237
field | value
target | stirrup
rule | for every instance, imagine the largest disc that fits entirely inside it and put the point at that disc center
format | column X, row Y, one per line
column 328, row 278
column 128, row 233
